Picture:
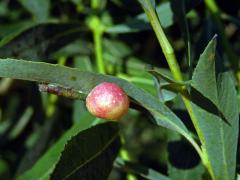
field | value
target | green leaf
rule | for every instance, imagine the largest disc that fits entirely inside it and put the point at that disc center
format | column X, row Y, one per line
column 38, row 8
column 217, row 127
column 168, row 87
column 90, row 154
column 140, row 22
column 7, row 29
column 186, row 174
column 39, row 41
column 140, row 170
column 183, row 160
column 46, row 165
column 83, row 82
column 41, row 138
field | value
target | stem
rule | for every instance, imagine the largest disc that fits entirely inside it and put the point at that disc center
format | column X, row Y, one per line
column 166, row 46
column 175, row 69
column 97, row 36
column 97, row 29
column 216, row 14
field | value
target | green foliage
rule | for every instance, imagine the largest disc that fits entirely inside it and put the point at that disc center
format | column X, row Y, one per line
column 183, row 121
column 38, row 8
column 83, row 150
column 83, row 82
column 218, row 119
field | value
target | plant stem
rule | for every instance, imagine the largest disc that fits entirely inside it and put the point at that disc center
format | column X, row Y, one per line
column 97, row 29
column 216, row 14
column 166, row 46
column 175, row 69
column 97, row 36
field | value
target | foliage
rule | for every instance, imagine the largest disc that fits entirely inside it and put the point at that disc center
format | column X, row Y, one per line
column 184, row 116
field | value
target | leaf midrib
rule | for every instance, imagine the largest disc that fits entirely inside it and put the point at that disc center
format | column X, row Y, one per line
column 93, row 157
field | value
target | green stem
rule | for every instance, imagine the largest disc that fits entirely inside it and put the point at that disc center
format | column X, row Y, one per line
column 166, row 46
column 175, row 69
column 97, row 35
column 97, row 29
column 216, row 14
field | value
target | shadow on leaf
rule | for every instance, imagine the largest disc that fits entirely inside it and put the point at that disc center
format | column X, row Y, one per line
column 182, row 155
column 203, row 102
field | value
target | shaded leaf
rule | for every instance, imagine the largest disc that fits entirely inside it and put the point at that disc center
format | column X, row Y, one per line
column 46, row 164
column 179, row 9
column 38, row 8
column 39, row 41
column 168, row 87
column 183, row 161
column 83, row 82
column 140, row 170
column 44, row 137
column 90, row 154
column 218, row 137
column 140, row 22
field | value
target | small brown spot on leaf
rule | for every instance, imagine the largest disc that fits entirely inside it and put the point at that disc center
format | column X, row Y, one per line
column 211, row 57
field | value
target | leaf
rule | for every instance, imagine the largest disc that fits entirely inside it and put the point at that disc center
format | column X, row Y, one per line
column 7, row 29
column 83, row 82
column 21, row 123
column 43, row 137
column 38, row 8
column 218, row 128
column 157, row 73
column 183, row 161
column 168, row 87
column 140, row 170
column 140, row 22
column 90, row 154
column 45, row 166
column 39, row 41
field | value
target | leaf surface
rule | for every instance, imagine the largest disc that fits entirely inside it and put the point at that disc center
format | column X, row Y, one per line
column 217, row 121
column 39, row 41
column 83, row 82
column 81, row 151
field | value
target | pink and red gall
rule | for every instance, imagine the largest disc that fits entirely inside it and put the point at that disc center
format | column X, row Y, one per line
column 108, row 101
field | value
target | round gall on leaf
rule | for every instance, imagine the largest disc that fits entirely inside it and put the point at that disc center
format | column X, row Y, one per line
column 107, row 101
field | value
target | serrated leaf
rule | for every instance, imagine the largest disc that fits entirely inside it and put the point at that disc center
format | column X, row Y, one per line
column 39, row 41
column 218, row 128
column 46, row 164
column 90, row 154
column 83, row 82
